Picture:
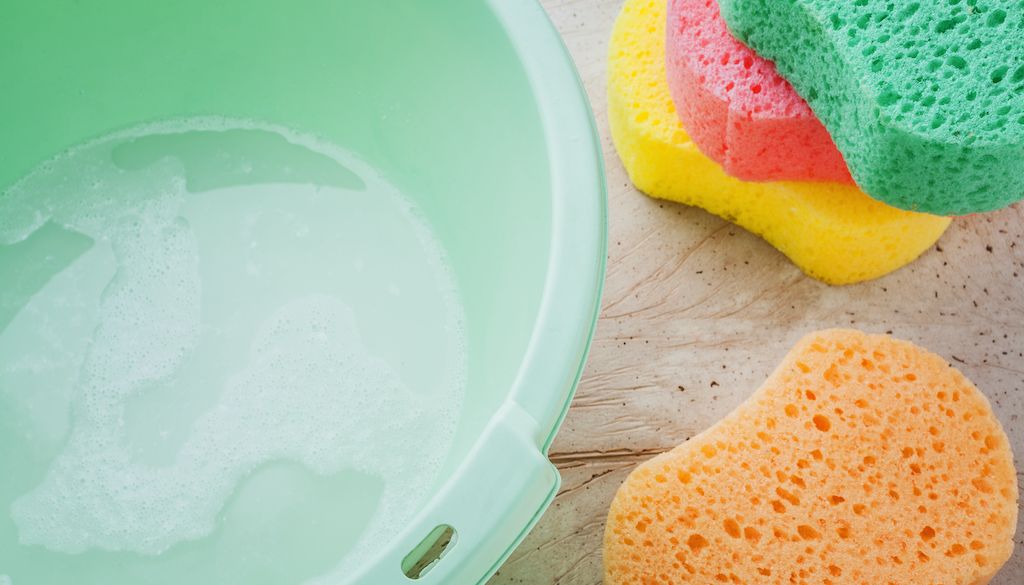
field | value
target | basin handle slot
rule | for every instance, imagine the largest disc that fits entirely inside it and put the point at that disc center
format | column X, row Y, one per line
column 429, row 551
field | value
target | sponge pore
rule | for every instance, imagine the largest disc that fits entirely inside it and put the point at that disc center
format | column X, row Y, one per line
column 925, row 99
column 737, row 108
column 862, row 459
column 833, row 232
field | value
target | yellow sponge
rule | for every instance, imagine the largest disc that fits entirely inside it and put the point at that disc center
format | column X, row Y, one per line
column 832, row 232
column 862, row 459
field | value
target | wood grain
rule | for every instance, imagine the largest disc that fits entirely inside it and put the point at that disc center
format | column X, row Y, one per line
column 697, row 312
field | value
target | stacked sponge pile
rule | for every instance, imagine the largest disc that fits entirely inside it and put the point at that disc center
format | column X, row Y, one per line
column 879, row 127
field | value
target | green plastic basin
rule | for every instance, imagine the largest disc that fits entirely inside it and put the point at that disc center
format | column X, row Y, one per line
column 472, row 110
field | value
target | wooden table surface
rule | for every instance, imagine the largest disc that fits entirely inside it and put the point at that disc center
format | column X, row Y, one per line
column 697, row 313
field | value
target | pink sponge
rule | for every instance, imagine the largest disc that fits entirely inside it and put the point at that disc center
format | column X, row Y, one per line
column 737, row 108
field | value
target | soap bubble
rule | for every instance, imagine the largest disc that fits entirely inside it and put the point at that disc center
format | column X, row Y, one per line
column 310, row 391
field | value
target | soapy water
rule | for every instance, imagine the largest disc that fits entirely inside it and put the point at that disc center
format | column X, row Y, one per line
column 307, row 388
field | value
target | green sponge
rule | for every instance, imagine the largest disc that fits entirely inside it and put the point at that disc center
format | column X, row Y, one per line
column 924, row 98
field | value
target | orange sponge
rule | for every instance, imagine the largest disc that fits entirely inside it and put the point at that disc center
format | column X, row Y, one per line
column 862, row 459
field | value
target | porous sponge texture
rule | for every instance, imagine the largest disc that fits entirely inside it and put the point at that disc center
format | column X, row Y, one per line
column 925, row 99
column 833, row 232
column 862, row 459
column 735, row 106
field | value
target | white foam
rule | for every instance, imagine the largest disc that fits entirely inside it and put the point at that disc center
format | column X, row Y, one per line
column 310, row 392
